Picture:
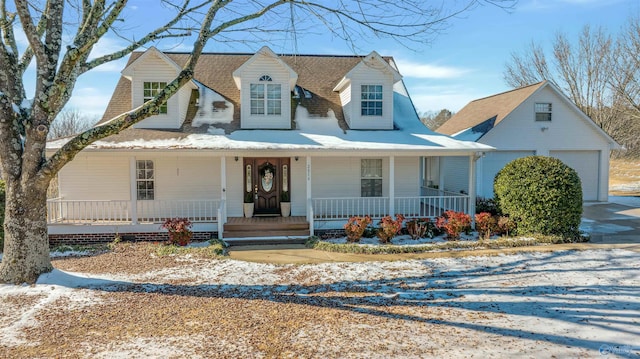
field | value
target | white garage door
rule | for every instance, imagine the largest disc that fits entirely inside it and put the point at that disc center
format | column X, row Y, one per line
column 493, row 162
column 587, row 164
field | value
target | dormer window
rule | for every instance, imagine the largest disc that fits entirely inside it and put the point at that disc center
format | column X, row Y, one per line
column 151, row 89
column 543, row 111
column 266, row 98
column 371, row 100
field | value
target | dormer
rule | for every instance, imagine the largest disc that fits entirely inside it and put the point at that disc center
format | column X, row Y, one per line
column 148, row 74
column 366, row 93
column 265, row 83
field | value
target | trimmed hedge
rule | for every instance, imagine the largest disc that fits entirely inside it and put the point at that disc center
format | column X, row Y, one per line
column 542, row 195
column 504, row 242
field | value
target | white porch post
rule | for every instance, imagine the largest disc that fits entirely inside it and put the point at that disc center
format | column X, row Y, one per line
column 392, row 185
column 309, row 203
column 222, row 216
column 472, row 189
column 133, row 191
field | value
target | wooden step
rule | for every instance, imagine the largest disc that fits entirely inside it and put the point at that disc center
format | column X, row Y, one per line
column 238, row 227
column 260, row 234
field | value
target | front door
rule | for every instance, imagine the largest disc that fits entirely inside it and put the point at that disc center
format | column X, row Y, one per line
column 269, row 177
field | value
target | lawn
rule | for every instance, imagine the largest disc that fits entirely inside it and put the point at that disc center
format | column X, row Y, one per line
column 134, row 303
column 624, row 177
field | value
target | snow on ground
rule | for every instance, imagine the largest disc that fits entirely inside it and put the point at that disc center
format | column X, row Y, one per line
column 564, row 303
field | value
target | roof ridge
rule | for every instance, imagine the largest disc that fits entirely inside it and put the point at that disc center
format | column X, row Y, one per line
column 253, row 53
column 508, row 91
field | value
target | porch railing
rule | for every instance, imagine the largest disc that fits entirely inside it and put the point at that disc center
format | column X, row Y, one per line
column 343, row 208
column 61, row 211
column 378, row 207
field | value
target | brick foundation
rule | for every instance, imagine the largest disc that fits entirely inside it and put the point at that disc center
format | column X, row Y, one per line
column 96, row 238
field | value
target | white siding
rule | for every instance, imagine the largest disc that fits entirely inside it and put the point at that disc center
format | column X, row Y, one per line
column 157, row 70
column 587, row 164
column 280, row 75
column 235, row 187
column 347, row 104
column 363, row 75
column 455, row 171
column 298, row 186
column 407, row 176
column 95, row 178
column 566, row 131
column 186, row 178
column 490, row 165
column 340, row 177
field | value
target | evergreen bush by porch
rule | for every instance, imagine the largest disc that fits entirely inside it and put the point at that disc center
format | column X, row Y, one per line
column 542, row 195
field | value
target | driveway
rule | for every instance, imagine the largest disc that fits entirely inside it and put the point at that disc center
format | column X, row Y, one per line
column 616, row 221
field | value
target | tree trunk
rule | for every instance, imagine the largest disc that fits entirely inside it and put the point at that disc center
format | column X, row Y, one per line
column 26, row 243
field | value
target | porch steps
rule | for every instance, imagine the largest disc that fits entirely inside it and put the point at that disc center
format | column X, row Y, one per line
column 257, row 241
column 265, row 227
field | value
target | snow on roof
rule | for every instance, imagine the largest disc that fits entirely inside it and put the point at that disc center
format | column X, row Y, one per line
column 313, row 133
column 212, row 108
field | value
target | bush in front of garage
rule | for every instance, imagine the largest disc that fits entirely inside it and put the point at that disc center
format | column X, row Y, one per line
column 542, row 195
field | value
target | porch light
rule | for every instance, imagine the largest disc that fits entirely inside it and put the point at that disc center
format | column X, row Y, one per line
column 236, row 158
column 296, row 158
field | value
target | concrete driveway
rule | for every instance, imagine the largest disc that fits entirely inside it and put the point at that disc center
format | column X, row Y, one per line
column 616, row 221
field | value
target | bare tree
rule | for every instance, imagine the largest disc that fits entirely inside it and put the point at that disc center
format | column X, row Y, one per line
column 25, row 124
column 625, row 80
column 599, row 74
column 434, row 120
column 70, row 122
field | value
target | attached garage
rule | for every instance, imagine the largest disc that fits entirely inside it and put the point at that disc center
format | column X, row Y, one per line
column 491, row 164
column 587, row 164
column 537, row 119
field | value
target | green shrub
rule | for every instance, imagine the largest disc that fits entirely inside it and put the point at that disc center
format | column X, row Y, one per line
column 541, row 195
column 487, row 205
column 2, row 200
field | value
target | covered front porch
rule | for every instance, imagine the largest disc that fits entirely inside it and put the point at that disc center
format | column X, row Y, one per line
column 321, row 190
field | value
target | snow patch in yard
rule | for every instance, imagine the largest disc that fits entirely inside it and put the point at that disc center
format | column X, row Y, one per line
column 568, row 303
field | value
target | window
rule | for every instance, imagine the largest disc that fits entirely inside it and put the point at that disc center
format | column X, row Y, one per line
column 144, row 180
column 371, row 178
column 266, row 98
column 371, row 96
column 543, row 111
column 151, row 89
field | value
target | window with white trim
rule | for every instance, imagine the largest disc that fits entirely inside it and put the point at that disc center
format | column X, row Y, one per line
column 371, row 100
column 145, row 186
column 151, row 89
column 371, row 177
column 543, row 111
column 266, row 98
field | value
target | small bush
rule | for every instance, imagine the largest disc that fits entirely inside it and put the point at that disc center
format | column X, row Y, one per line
column 355, row 227
column 486, row 224
column 454, row 224
column 505, row 225
column 487, row 205
column 421, row 228
column 179, row 230
column 388, row 228
column 541, row 195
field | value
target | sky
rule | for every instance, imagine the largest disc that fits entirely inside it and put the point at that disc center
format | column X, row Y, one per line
column 464, row 62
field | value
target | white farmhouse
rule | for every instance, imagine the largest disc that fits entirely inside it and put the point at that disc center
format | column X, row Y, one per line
column 334, row 136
